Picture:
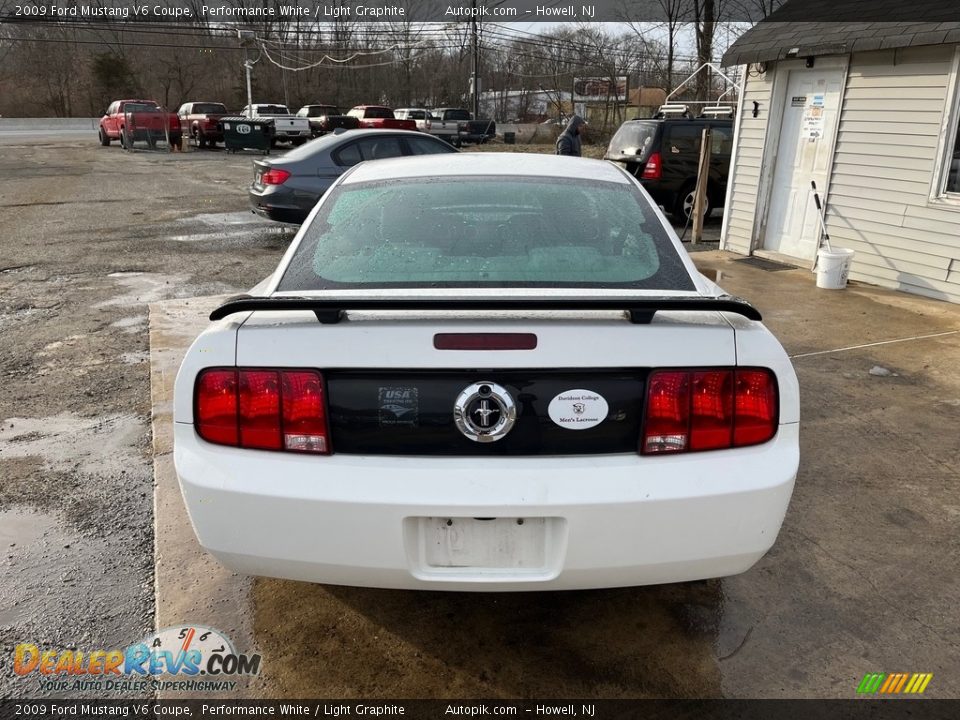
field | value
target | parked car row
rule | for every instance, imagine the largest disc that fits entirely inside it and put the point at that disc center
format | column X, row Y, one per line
column 141, row 120
column 455, row 125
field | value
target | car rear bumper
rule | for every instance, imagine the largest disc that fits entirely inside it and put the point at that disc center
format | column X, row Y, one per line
column 286, row 207
column 597, row 521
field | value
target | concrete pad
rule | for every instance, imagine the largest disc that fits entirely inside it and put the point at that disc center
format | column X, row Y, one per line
column 863, row 577
column 190, row 586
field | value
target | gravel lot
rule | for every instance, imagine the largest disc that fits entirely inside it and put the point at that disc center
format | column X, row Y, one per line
column 91, row 236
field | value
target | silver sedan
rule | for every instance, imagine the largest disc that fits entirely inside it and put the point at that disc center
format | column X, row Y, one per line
column 286, row 188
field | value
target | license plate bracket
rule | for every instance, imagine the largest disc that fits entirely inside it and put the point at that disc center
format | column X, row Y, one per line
column 458, row 543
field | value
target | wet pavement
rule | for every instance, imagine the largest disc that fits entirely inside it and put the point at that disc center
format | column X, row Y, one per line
column 90, row 238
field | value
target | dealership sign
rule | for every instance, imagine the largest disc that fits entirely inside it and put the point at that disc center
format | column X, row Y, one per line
column 599, row 89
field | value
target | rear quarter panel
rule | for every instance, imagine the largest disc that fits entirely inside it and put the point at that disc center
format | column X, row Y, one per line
column 215, row 347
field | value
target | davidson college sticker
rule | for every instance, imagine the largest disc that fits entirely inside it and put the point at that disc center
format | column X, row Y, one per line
column 578, row 409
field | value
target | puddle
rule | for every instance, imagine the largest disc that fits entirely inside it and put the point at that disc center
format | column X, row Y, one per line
column 19, row 528
column 234, row 218
column 51, row 348
column 23, row 534
column 132, row 324
column 143, row 288
column 235, row 237
column 98, row 446
column 135, row 358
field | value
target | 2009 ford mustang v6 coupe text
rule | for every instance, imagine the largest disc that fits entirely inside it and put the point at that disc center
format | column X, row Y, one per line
column 487, row 372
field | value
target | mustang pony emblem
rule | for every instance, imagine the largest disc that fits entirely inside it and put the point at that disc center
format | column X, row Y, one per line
column 484, row 412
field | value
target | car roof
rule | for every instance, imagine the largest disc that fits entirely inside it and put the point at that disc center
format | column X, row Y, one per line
column 486, row 164
column 332, row 142
column 680, row 120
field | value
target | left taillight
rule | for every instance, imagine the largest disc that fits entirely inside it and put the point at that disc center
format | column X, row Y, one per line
column 262, row 408
column 274, row 176
column 709, row 409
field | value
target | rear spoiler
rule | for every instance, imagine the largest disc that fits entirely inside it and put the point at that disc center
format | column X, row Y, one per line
column 641, row 310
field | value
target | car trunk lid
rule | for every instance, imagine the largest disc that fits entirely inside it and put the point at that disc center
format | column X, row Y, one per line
column 391, row 391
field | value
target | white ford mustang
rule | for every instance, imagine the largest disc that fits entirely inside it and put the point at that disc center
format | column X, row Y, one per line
column 487, row 372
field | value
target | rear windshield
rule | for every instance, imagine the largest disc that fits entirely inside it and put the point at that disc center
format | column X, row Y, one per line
column 318, row 110
column 140, row 107
column 378, row 112
column 486, row 232
column 633, row 138
column 272, row 110
column 209, row 108
column 456, row 115
column 416, row 114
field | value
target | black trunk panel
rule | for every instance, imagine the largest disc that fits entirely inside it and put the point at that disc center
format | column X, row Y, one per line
column 388, row 412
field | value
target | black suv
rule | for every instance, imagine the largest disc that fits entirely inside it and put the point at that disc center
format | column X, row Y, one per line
column 663, row 153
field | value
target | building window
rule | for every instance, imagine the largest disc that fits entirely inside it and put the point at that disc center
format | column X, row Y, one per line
column 951, row 157
column 953, row 165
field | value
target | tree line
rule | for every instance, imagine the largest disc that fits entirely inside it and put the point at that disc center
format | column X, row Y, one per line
column 74, row 69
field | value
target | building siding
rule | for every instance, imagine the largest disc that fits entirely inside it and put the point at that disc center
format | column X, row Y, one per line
column 745, row 175
column 883, row 170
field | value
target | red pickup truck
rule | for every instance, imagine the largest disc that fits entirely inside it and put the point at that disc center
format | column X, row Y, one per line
column 132, row 120
column 377, row 116
column 201, row 121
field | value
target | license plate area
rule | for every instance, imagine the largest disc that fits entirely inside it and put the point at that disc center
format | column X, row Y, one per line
column 478, row 548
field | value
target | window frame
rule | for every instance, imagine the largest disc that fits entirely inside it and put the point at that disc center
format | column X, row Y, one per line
column 948, row 142
column 408, row 143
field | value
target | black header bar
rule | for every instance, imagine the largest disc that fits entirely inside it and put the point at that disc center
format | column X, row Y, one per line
column 252, row 12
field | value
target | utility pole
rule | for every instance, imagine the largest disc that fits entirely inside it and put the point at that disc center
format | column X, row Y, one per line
column 247, row 38
column 475, row 82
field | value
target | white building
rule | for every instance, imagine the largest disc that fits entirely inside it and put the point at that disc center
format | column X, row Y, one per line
column 525, row 105
column 869, row 111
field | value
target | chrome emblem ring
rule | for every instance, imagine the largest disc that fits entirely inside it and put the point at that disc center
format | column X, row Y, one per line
column 484, row 412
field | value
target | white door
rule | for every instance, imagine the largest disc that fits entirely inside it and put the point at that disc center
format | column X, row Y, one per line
column 810, row 112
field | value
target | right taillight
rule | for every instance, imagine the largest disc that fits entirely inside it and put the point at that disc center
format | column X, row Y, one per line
column 263, row 409
column 709, row 409
column 653, row 168
column 274, row 176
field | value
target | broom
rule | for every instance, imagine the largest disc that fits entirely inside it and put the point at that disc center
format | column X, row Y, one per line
column 823, row 226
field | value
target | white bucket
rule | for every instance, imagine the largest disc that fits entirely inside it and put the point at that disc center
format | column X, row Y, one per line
column 833, row 267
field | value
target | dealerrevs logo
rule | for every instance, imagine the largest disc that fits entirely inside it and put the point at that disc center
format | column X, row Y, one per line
column 181, row 652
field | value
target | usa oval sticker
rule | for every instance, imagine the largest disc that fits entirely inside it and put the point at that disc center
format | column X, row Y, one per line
column 578, row 409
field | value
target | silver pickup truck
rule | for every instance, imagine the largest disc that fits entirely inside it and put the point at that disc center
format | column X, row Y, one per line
column 287, row 127
column 428, row 122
